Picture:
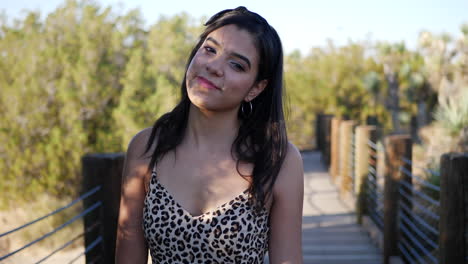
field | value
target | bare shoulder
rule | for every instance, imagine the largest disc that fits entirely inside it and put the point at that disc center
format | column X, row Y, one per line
column 138, row 143
column 292, row 164
column 131, row 245
column 285, row 244
column 293, row 156
column 136, row 159
column 291, row 175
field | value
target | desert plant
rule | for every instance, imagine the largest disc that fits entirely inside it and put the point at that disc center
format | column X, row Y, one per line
column 452, row 113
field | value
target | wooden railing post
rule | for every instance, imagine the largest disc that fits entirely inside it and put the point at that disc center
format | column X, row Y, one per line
column 318, row 131
column 396, row 147
column 326, row 137
column 322, row 130
column 372, row 120
column 414, row 128
column 361, row 169
column 346, row 131
column 335, row 148
column 104, row 170
column 373, row 159
column 453, row 224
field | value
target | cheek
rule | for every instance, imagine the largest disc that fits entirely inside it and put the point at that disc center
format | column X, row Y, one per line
column 241, row 84
column 190, row 69
column 197, row 60
column 194, row 69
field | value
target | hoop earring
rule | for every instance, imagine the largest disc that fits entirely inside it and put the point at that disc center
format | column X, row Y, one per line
column 243, row 111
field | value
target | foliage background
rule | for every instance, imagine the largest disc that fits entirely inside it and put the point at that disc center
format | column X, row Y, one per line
column 86, row 79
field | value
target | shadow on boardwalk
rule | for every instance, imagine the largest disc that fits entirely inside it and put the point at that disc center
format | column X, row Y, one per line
column 330, row 234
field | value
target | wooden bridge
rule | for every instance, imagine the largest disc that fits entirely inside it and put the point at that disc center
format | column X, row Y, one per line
column 330, row 233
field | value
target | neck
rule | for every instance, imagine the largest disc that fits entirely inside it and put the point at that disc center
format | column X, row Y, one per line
column 211, row 131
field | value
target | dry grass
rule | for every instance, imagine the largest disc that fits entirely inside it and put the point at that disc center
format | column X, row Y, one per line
column 25, row 212
column 438, row 140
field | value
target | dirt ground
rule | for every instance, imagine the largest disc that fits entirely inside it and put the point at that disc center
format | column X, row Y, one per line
column 58, row 258
column 10, row 219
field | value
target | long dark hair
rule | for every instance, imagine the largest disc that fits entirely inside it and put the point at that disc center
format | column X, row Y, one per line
column 261, row 139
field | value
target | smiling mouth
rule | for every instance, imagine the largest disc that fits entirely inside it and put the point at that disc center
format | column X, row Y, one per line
column 206, row 83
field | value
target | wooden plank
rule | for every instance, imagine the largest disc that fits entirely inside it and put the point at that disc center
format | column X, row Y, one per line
column 330, row 233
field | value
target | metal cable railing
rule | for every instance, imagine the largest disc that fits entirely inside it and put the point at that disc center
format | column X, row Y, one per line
column 419, row 206
column 420, row 194
column 92, row 245
column 415, row 245
column 82, row 197
column 68, row 243
column 418, row 217
column 422, row 221
column 374, row 197
column 60, row 227
column 351, row 165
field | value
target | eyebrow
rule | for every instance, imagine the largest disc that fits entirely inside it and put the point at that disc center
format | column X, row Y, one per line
column 235, row 54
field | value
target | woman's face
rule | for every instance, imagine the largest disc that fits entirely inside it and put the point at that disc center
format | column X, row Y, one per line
column 223, row 72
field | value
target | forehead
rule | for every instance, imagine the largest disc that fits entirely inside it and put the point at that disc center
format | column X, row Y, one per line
column 235, row 40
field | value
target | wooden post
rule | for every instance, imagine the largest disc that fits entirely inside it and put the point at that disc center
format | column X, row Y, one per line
column 453, row 224
column 335, row 150
column 414, row 128
column 346, row 131
column 318, row 131
column 372, row 120
column 103, row 170
column 373, row 155
column 361, row 169
column 341, row 153
column 326, row 138
column 397, row 147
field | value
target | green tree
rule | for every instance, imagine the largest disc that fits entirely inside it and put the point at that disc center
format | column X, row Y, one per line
column 153, row 75
column 60, row 80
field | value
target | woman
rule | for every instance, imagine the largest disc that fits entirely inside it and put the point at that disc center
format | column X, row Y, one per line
column 215, row 180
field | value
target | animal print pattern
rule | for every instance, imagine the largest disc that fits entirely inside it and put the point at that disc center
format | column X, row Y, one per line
column 231, row 233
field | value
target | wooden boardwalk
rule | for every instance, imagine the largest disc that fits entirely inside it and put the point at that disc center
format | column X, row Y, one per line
column 330, row 233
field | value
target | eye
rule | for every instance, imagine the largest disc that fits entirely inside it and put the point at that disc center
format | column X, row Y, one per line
column 209, row 49
column 237, row 66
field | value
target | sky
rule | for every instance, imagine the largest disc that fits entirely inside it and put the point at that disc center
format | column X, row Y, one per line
column 303, row 24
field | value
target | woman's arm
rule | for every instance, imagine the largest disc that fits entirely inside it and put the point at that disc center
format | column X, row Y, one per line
column 286, row 211
column 131, row 244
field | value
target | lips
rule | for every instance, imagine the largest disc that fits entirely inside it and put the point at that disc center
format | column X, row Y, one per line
column 206, row 83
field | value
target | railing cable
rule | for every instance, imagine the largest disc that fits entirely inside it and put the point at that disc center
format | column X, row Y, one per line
column 421, row 181
column 419, row 206
column 89, row 229
column 85, row 212
column 84, row 196
column 418, row 231
column 420, row 194
column 88, row 248
column 420, row 220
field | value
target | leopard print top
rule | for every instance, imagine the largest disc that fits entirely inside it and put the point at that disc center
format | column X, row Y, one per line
column 231, row 233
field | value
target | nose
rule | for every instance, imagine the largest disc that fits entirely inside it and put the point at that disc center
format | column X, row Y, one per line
column 214, row 66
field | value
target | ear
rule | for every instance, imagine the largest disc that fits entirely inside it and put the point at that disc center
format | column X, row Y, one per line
column 256, row 90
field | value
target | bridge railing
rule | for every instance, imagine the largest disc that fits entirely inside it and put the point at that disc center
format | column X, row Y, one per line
column 419, row 217
column 102, row 175
column 411, row 219
column 89, row 210
column 375, row 192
